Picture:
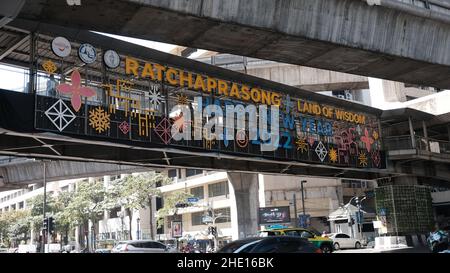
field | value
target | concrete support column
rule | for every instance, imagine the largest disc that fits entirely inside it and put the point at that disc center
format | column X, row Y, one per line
column 244, row 199
column 425, row 134
column 411, row 132
column 448, row 131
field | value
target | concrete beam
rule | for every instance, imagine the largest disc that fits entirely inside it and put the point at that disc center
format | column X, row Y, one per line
column 340, row 35
column 22, row 173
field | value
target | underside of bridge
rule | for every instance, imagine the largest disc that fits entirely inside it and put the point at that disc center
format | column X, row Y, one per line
column 341, row 35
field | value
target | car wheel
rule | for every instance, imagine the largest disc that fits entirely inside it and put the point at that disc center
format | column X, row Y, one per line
column 326, row 248
column 336, row 246
column 358, row 245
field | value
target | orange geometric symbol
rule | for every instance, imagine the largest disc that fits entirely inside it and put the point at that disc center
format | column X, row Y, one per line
column 375, row 135
column 49, row 67
column 362, row 159
column 333, row 155
column 76, row 90
column 182, row 99
column 99, row 119
column 302, row 146
column 241, row 138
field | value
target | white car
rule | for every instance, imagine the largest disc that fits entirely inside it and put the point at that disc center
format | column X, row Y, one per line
column 140, row 246
column 342, row 240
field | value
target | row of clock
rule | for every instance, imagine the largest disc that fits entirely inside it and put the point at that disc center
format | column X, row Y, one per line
column 87, row 53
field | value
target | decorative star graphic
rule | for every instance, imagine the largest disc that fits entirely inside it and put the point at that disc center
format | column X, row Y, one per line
column 60, row 115
column 124, row 127
column 362, row 159
column 302, row 146
column 333, row 155
column 155, row 98
column 99, row 119
column 375, row 135
column 76, row 90
column 367, row 140
column 182, row 99
column 163, row 130
column 321, row 151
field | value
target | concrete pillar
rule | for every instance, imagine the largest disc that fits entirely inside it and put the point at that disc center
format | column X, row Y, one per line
column 425, row 134
column 244, row 199
column 411, row 132
column 448, row 132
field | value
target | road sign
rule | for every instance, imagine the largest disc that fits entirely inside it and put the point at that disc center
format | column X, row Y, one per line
column 207, row 219
column 304, row 220
column 192, row 199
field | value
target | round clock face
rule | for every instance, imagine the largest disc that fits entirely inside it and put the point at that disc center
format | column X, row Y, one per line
column 87, row 53
column 111, row 59
column 61, row 47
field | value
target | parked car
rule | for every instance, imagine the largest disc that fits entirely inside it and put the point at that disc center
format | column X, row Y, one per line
column 140, row 246
column 325, row 244
column 103, row 250
column 272, row 244
column 342, row 240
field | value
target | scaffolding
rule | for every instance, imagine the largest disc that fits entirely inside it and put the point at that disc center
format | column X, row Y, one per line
column 407, row 208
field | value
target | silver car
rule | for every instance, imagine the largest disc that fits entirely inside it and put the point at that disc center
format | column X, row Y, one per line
column 140, row 246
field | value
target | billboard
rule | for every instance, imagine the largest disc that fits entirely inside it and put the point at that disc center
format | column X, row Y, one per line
column 177, row 229
column 273, row 215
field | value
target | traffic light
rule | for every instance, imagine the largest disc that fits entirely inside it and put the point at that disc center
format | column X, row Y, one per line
column 45, row 223
column 213, row 231
column 51, row 224
column 181, row 205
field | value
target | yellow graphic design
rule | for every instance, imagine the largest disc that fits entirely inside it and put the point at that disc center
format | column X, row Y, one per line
column 182, row 99
column 302, row 146
column 375, row 135
column 362, row 159
column 333, row 155
column 49, row 67
column 99, row 119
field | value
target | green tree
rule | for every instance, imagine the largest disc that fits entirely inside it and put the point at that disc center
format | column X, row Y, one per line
column 136, row 192
column 14, row 226
column 169, row 208
column 37, row 204
column 86, row 203
column 64, row 222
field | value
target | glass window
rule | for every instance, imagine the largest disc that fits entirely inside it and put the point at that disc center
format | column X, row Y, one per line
column 223, row 212
column 192, row 172
column 291, row 233
column 306, row 234
column 198, row 192
column 218, row 189
column 172, row 173
column 196, row 218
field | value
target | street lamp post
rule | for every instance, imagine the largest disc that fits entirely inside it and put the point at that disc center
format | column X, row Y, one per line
column 138, row 228
column 303, row 197
column 358, row 202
